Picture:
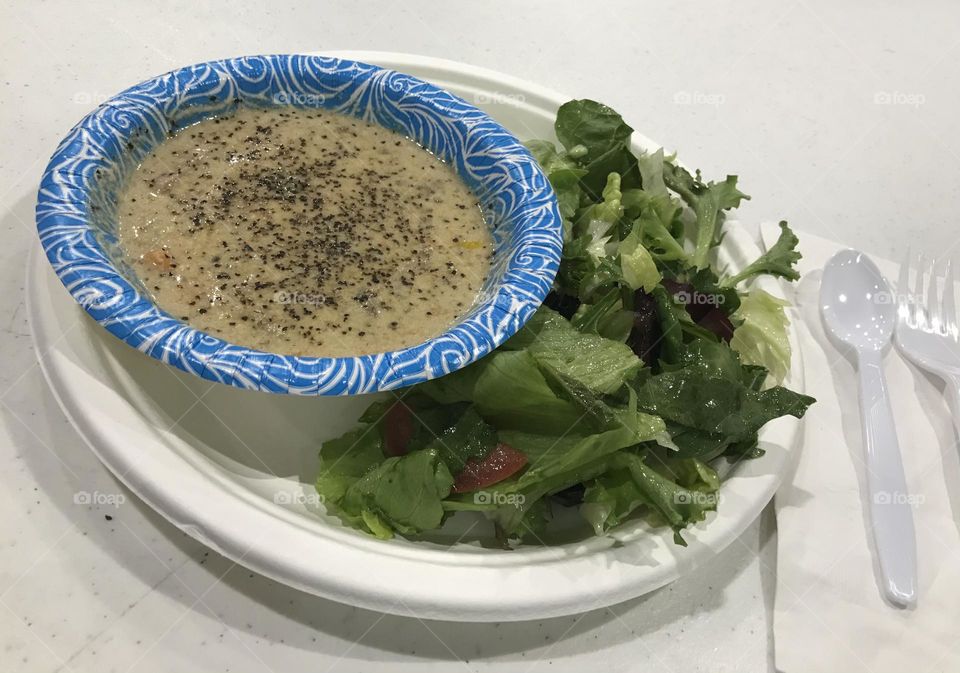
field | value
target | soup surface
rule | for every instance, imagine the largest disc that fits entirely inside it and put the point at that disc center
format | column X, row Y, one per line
column 304, row 232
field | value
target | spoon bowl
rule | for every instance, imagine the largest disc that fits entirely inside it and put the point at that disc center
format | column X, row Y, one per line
column 856, row 302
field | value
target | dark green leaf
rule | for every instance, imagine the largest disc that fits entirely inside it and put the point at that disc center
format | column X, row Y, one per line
column 469, row 437
column 716, row 405
column 671, row 339
column 592, row 125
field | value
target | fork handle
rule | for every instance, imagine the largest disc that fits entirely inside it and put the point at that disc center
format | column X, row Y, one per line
column 953, row 398
column 890, row 503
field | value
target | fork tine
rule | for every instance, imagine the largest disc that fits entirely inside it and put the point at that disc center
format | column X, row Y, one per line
column 949, row 314
column 903, row 288
column 933, row 301
column 916, row 297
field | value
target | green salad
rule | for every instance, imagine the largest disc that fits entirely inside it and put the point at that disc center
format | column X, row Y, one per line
column 646, row 365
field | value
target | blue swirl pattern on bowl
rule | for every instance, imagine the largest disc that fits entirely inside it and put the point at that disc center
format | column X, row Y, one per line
column 77, row 223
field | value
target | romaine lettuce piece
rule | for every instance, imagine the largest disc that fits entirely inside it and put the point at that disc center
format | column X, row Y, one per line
column 559, row 461
column 512, row 393
column 345, row 459
column 762, row 338
column 679, row 492
column 601, row 365
column 682, row 492
column 401, row 494
column 564, row 176
column 651, row 173
column 605, row 317
column 636, row 263
column 378, row 494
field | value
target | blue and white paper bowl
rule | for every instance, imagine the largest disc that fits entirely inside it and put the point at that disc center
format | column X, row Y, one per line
column 77, row 223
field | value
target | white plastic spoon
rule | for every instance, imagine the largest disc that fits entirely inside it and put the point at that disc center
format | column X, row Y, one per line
column 858, row 309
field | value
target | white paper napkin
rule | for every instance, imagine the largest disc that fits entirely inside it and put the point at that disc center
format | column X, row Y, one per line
column 829, row 614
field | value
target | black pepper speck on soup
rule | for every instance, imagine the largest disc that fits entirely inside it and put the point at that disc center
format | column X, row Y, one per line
column 304, row 232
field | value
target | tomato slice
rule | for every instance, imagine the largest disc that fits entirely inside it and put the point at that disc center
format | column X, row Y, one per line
column 503, row 461
column 398, row 428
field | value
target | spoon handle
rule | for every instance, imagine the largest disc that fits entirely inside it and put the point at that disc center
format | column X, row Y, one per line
column 890, row 503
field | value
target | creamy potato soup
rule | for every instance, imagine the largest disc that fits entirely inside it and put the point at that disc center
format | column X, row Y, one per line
column 304, row 232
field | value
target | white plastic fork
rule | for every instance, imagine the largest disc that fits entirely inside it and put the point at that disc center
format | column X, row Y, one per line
column 927, row 325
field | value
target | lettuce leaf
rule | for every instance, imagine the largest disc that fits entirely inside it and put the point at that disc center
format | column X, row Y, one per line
column 402, row 494
column 345, row 459
column 779, row 261
column 678, row 491
column 605, row 317
column 592, row 126
column 560, row 461
column 599, row 139
column 637, row 265
column 762, row 337
column 708, row 202
column 377, row 494
column 470, row 437
column 564, row 176
column 717, row 405
column 599, row 364
column 512, row 393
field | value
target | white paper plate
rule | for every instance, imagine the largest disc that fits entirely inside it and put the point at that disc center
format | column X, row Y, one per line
column 234, row 468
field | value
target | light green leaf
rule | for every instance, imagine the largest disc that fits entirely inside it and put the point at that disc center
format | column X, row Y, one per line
column 763, row 339
column 639, row 269
column 601, row 365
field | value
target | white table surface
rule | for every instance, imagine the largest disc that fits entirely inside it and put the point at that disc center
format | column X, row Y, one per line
column 836, row 116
